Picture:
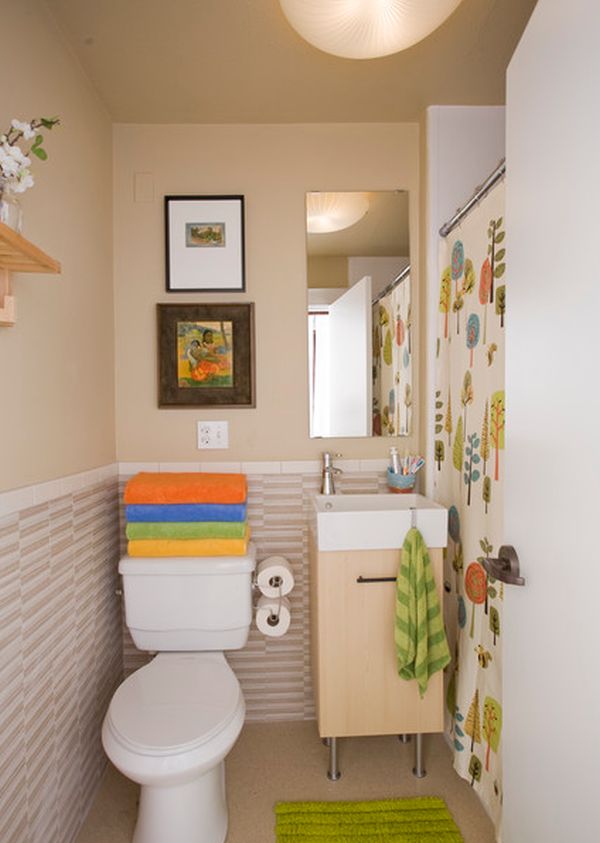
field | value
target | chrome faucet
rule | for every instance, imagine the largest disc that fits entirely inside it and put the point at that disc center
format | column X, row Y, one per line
column 329, row 470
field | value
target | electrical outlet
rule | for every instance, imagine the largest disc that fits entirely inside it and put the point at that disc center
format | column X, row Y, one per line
column 213, row 434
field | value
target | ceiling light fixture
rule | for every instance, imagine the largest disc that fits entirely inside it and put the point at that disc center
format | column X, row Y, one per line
column 366, row 29
column 327, row 212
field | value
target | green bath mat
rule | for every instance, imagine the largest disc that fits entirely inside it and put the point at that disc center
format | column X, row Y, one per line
column 422, row 820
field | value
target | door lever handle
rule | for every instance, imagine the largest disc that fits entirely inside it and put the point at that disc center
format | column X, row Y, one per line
column 506, row 567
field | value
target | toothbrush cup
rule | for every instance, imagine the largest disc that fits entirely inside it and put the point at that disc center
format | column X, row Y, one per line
column 400, row 483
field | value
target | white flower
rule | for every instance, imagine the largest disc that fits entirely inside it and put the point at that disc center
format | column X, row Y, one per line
column 25, row 128
column 8, row 163
column 17, row 153
column 14, row 169
column 15, row 173
column 23, row 183
column 12, row 160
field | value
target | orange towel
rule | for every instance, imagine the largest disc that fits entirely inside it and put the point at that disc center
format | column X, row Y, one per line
column 185, row 487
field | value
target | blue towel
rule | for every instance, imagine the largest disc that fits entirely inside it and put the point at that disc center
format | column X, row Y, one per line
column 186, row 512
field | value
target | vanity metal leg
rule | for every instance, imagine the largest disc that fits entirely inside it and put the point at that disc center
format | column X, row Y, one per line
column 404, row 738
column 418, row 770
column 326, row 741
column 333, row 774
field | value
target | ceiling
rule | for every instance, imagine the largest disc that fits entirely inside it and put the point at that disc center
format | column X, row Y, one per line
column 239, row 61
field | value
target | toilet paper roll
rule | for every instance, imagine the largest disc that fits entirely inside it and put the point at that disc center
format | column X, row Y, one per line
column 273, row 617
column 272, row 571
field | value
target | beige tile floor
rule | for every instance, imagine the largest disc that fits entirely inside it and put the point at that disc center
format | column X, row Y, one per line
column 287, row 761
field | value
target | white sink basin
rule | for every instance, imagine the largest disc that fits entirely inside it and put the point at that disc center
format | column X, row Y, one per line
column 376, row 522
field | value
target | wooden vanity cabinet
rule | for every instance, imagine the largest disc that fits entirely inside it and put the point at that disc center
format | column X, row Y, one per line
column 357, row 687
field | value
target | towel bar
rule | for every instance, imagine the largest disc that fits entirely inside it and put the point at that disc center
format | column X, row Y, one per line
column 362, row 579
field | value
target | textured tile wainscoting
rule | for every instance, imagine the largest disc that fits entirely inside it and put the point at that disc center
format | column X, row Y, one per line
column 275, row 673
column 60, row 651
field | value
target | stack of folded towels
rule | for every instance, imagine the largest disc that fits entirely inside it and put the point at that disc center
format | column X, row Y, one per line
column 186, row 514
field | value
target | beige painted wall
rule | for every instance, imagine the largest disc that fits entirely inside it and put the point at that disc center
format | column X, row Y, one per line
column 273, row 166
column 57, row 363
column 327, row 271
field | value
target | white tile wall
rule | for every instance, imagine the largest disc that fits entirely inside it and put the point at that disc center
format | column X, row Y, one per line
column 62, row 644
column 60, row 650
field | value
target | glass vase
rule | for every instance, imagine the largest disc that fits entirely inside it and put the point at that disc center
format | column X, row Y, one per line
column 11, row 213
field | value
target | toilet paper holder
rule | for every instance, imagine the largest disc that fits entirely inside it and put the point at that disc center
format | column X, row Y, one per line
column 275, row 582
column 273, row 619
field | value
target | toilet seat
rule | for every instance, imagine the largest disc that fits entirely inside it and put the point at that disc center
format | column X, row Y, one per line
column 175, row 704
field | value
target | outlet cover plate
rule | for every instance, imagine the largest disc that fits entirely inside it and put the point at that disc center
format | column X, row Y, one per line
column 213, row 435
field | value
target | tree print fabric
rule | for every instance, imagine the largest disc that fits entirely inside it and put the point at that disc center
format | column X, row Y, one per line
column 392, row 363
column 470, row 423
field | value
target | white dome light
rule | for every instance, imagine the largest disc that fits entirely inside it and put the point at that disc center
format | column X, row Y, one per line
column 365, row 29
column 327, row 212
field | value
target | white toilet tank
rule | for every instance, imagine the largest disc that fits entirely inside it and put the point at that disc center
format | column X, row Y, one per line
column 188, row 603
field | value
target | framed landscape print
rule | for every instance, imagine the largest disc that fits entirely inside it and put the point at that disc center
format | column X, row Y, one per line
column 206, row 355
column 204, row 244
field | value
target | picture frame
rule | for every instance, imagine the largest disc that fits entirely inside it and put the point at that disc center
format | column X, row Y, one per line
column 206, row 355
column 204, row 244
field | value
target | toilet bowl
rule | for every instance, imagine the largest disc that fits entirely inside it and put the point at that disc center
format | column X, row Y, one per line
column 169, row 727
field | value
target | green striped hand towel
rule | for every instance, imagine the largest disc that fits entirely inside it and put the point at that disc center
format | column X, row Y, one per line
column 421, row 645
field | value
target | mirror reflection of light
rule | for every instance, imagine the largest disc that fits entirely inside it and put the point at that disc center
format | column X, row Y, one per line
column 327, row 212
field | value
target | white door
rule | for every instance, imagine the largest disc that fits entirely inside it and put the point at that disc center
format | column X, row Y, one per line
column 551, row 636
column 350, row 362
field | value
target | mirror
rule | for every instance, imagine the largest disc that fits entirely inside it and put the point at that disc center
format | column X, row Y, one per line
column 359, row 314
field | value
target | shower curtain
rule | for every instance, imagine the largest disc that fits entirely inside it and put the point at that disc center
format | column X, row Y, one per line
column 392, row 363
column 469, row 443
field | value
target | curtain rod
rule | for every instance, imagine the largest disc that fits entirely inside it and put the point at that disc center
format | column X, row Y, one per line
column 480, row 192
column 397, row 280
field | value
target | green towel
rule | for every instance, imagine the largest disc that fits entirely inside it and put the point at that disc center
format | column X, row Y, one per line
column 186, row 530
column 421, row 645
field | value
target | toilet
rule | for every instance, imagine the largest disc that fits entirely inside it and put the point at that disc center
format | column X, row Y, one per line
column 170, row 725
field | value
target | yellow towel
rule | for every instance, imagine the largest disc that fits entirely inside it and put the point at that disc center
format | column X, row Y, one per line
column 189, row 547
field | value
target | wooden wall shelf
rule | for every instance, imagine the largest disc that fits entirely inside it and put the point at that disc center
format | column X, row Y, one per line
column 19, row 255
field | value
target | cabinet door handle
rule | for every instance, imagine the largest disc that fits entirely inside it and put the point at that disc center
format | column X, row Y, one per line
column 362, row 579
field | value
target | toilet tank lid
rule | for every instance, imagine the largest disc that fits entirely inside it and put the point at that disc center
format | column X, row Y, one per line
column 188, row 565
